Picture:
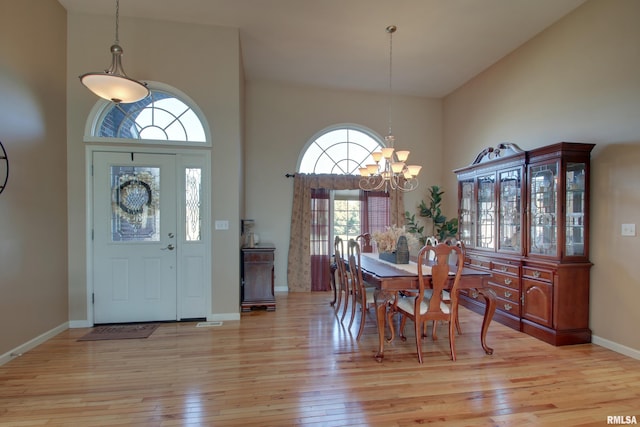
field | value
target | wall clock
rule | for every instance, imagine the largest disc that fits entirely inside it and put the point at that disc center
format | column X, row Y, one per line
column 4, row 168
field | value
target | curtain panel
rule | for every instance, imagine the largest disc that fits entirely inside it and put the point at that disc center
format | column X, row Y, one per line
column 299, row 260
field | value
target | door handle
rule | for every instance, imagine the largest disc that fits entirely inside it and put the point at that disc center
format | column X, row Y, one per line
column 169, row 246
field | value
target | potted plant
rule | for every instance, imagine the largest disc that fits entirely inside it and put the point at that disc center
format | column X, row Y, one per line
column 441, row 227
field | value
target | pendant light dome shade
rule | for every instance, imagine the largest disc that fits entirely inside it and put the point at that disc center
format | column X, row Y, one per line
column 113, row 84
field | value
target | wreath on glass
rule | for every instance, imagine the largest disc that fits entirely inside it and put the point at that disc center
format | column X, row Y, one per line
column 4, row 168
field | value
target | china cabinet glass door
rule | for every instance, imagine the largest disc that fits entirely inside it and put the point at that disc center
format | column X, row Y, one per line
column 466, row 221
column 486, row 208
column 510, row 210
column 575, row 209
column 543, row 209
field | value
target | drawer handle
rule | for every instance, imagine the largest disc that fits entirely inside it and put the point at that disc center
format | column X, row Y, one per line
column 508, row 307
column 507, row 281
column 536, row 274
column 503, row 268
column 507, row 294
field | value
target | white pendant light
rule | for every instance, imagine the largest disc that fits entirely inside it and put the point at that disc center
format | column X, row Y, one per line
column 113, row 84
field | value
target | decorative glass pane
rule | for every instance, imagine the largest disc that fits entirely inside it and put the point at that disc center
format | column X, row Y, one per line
column 543, row 208
column 576, row 198
column 160, row 116
column 193, row 188
column 467, row 213
column 340, row 152
column 486, row 212
column 510, row 208
column 135, row 204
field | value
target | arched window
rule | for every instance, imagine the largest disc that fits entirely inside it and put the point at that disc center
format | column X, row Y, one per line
column 347, row 212
column 164, row 116
column 339, row 150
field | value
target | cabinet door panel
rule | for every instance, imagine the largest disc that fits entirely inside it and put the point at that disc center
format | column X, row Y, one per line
column 486, row 211
column 467, row 213
column 537, row 302
column 510, row 210
column 543, row 209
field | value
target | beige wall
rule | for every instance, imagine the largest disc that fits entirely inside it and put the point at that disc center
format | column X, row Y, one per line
column 33, row 207
column 204, row 63
column 577, row 81
column 281, row 120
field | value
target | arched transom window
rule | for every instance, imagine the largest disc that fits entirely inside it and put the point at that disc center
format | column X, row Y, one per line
column 162, row 116
column 342, row 151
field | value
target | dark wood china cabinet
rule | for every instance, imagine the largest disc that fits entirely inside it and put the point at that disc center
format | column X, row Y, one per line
column 524, row 217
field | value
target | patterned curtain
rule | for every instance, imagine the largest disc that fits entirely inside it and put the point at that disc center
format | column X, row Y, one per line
column 299, row 261
column 320, row 246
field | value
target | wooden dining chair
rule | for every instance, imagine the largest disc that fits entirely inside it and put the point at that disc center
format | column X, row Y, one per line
column 342, row 284
column 413, row 304
column 364, row 240
column 362, row 295
column 446, row 297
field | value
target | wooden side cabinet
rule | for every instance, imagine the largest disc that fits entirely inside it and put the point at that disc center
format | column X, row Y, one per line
column 257, row 278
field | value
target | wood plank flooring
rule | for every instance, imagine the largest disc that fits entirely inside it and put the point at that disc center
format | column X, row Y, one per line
column 299, row 366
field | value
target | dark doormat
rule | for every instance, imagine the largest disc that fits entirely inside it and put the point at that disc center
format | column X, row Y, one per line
column 120, row 332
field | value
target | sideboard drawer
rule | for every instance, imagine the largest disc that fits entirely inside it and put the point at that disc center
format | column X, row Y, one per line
column 258, row 257
column 505, row 268
column 537, row 273
column 512, row 282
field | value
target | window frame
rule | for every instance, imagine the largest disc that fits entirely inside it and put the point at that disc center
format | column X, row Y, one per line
column 102, row 107
column 339, row 127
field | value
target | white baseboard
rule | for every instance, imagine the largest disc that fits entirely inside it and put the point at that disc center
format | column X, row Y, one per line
column 80, row 324
column 618, row 348
column 21, row 349
column 223, row 316
column 284, row 289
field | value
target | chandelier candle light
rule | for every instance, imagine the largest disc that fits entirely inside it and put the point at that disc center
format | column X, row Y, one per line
column 390, row 170
column 113, row 84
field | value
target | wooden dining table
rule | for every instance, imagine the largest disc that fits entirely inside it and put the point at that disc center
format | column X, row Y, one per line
column 389, row 279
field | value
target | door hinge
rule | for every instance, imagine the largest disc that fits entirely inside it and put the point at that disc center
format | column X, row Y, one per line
column 92, row 234
column 93, row 298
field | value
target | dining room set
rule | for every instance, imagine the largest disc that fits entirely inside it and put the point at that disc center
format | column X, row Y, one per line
column 423, row 288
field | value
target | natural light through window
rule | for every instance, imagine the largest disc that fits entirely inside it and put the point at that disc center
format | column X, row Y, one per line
column 159, row 117
column 339, row 151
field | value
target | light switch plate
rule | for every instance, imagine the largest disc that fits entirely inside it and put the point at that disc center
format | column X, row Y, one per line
column 628, row 229
column 222, row 225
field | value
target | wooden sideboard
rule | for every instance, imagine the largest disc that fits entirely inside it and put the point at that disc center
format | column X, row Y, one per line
column 257, row 275
column 524, row 217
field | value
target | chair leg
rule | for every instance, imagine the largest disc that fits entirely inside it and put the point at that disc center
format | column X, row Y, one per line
column 338, row 300
column 452, row 339
column 346, row 304
column 434, row 333
column 363, row 318
column 354, row 304
column 458, row 328
column 403, row 321
column 418, row 327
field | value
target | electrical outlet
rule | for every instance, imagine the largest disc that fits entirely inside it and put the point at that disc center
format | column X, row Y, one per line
column 628, row 230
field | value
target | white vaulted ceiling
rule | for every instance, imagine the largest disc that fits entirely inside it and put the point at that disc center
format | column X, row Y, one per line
column 439, row 45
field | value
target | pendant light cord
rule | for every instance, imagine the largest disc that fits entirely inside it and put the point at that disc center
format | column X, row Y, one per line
column 117, row 41
column 390, row 29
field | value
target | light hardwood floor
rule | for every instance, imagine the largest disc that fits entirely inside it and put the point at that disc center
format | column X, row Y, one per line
column 300, row 366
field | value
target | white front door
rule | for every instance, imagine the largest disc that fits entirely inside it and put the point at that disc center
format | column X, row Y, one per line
column 134, row 237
